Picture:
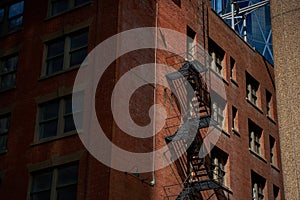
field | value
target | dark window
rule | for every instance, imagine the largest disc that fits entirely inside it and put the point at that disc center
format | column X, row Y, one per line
column 11, row 17
column 177, row 2
column 60, row 6
column 219, row 160
column 258, row 185
column 276, row 192
column 190, row 43
column 235, row 119
column 8, row 67
column 56, row 116
column 252, row 89
column 269, row 103
column 4, row 127
column 232, row 69
column 255, row 133
column 58, row 183
column 64, row 53
column 217, row 56
column 272, row 150
column 218, row 105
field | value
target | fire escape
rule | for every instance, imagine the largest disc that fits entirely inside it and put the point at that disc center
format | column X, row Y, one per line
column 198, row 175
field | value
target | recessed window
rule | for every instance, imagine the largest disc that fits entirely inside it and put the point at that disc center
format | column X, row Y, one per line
column 235, row 119
column 4, row 127
column 252, row 89
column 8, row 67
column 60, row 6
column 276, row 192
column 56, row 116
column 66, row 52
column 57, row 183
column 11, row 17
column 269, row 104
column 219, row 161
column 232, row 69
column 218, row 58
column 255, row 135
column 258, row 185
column 218, row 105
column 272, row 150
column 177, row 2
column 190, row 44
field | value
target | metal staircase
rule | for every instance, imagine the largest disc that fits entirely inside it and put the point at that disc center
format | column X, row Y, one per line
column 195, row 112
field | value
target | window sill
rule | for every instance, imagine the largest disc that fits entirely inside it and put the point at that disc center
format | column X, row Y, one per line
column 255, row 106
column 11, row 32
column 43, row 77
column 7, row 89
column 54, row 138
column 220, row 76
column 257, row 156
column 236, row 132
column 234, row 82
column 49, row 17
column 222, row 130
column 275, row 167
column 271, row 119
column 4, row 151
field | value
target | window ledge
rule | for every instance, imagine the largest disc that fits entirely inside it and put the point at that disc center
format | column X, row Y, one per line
column 255, row 106
column 271, row 119
column 11, row 32
column 54, row 138
column 234, row 82
column 219, row 76
column 236, row 132
column 67, row 11
column 43, row 77
column 4, row 151
column 7, row 89
column 257, row 156
column 275, row 167
column 226, row 133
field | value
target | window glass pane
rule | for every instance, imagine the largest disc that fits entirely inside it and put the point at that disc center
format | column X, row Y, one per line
column 59, row 6
column 3, row 142
column 15, row 23
column 49, row 110
column 16, row 9
column 67, row 175
column 68, row 193
column 77, row 57
column 1, row 15
column 8, row 81
column 79, row 40
column 41, row 182
column 68, row 105
column 4, row 125
column 69, row 123
column 48, row 129
column 80, row 2
column 41, row 196
column 55, row 65
column 10, row 64
column 56, row 48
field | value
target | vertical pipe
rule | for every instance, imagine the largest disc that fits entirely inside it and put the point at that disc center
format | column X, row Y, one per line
column 232, row 14
column 245, row 27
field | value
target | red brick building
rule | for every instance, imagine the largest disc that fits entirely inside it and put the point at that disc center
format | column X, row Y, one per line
column 42, row 46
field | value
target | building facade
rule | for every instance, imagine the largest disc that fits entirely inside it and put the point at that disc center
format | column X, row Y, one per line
column 43, row 44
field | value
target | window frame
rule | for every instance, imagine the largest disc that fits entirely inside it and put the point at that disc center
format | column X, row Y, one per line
column 70, row 6
column 219, row 161
column 258, row 186
column 273, row 152
column 54, row 179
column 255, row 138
column 12, row 72
column 66, row 55
column 269, row 104
column 6, row 116
column 6, row 19
column 235, row 119
column 252, row 90
column 218, row 59
column 218, row 109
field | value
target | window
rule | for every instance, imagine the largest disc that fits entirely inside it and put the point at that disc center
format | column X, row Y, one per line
column 232, row 69
column 8, row 67
column 57, row 183
column 269, row 103
column 218, row 58
column 60, row 6
column 177, row 2
column 11, row 17
column 258, row 185
column 252, row 89
column 4, row 126
column 276, row 192
column 67, row 52
column 219, row 160
column 234, row 119
column 218, row 109
column 272, row 150
column 56, row 116
column 255, row 133
column 191, row 51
